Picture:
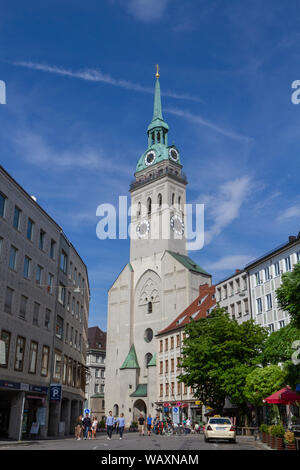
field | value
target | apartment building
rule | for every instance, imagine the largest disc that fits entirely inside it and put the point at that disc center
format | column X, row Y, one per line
column 265, row 275
column 232, row 294
column 44, row 308
column 172, row 393
column 95, row 383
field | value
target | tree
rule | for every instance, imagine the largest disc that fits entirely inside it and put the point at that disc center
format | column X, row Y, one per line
column 262, row 382
column 288, row 294
column 218, row 354
column 278, row 346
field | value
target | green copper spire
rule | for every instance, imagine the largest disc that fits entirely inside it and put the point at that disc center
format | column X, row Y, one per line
column 157, row 120
column 131, row 361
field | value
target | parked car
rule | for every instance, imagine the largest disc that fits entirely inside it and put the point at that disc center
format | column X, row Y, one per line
column 219, row 428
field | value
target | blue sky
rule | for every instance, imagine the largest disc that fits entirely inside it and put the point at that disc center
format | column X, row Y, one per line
column 80, row 78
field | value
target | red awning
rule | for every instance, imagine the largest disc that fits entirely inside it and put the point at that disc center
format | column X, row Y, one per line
column 283, row 396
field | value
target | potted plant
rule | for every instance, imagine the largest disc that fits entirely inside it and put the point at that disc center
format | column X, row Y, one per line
column 133, row 427
column 277, row 433
column 263, row 431
column 289, row 440
column 269, row 437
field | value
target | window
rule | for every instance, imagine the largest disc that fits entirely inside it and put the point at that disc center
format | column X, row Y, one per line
column 59, row 327
column 166, row 366
column 75, row 339
column 38, row 275
column 65, row 371
column 33, row 357
column 77, row 310
column 259, row 305
column 166, row 344
column 45, row 361
column 30, row 225
column 267, row 274
column 27, row 262
column 161, row 367
column 71, row 335
column 73, row 306
column 13, row 257
column 47, row 318
column 17, row 215
column 178, row 363
column 70, row 371
column 57, row 365
column 271, row 328
column 178, row 388
column 172, row 342
column 63, row 262
column 50, row 283
column 149, row 205
column 42, row 239
column 287, row 263
column 2, row 205
column 5, row 338
column 269, row 301
column 172, row 365
column 67, row 334
column 52, row 248
column 20, row 350
column 61, row 294
column 36, row 313
column 298, row 256
column 257, row 277
column 149, row 307
column 173, row 199
column 148, row 335
column 177, row 341
column 161, row 345
column 277, row 268
column 167, row 390
column 161, row 390
column 8, row 300
column 159, row 200
column 23, row 307
column 148, row 358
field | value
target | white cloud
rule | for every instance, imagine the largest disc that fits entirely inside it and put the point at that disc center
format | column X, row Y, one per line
column 291, row 212
column 197, row 119
column 230, row 263
column 147, row 11
column 224, row 207
column 95, row 75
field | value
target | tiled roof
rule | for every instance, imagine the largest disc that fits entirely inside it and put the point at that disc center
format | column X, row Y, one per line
column 131, row 361
column 199, row 308
column 188, row 263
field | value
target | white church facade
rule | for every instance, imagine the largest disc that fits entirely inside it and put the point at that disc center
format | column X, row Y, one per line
column 159, row 281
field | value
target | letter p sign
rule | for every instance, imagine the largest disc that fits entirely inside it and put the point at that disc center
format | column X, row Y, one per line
column 55, row 392
column 2, row 92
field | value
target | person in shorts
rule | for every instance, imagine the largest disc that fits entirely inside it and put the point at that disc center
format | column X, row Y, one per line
column 141, row 423
column 149, row 425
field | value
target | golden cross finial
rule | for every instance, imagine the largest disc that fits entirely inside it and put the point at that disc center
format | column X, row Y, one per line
column 157, row 71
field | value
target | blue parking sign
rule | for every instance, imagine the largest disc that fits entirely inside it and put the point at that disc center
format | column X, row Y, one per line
column 55, row 392
column 87, row 411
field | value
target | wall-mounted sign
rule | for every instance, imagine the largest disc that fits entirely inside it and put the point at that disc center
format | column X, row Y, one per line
column 55, row 392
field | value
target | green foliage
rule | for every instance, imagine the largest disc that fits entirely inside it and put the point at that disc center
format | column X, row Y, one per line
column 288, row 294
column 278, row 346
column 277, row 430
column 262, row 382
column 218, row 354
column 263, row 428
column 292, row 373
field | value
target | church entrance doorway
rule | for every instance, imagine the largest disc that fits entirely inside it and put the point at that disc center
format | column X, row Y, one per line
column 138, row 408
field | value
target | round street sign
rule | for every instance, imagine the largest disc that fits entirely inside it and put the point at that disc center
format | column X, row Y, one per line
column 87, row 411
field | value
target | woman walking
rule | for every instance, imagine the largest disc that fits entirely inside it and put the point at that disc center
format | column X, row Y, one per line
column 94, row 427
column 78, row 428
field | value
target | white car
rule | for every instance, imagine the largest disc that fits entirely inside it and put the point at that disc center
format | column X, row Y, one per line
column 219, row 428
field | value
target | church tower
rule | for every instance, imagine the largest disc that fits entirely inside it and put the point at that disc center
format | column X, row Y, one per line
column 157, row 284
column 158, row 193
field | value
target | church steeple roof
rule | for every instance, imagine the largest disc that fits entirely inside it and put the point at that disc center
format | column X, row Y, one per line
column 157, row 120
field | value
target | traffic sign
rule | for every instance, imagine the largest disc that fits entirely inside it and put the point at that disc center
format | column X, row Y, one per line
column 87, row 411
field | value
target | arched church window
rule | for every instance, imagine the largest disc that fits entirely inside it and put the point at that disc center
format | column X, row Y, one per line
column 158, row 137
column 148, row 358
column 149, row 307
column 116, row 410
column 148, row 335
column 149, row 205
column 138, row 209
column 159, row 200
column 153, row 137
column 179, row 202
column 173, row 199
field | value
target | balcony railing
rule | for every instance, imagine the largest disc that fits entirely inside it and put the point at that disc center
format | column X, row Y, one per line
column 181, row 177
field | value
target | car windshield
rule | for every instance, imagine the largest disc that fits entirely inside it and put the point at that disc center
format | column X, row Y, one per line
column 219, row 421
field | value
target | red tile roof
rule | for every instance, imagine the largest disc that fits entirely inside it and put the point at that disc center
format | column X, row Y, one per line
column 199, row 308
column 96, row 337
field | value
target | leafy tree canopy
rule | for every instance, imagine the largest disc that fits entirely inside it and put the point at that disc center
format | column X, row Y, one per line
column 262, row 382
column 278, row 346
column 218, row 354
column 288, row 294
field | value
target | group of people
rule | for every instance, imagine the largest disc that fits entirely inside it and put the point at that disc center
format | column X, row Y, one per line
column 86, row 427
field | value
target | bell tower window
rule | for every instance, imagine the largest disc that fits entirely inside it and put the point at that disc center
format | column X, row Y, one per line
column 149, row 307
column 159, row 200
column 149, row 205
column 173, row 199
column 153, row 137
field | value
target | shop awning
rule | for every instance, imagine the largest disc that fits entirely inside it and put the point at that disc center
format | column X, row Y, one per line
column 283, row 396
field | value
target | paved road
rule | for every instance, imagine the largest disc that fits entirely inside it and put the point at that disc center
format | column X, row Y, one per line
column 132, row 441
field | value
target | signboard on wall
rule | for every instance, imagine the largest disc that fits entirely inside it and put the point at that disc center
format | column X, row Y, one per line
column 55, row 392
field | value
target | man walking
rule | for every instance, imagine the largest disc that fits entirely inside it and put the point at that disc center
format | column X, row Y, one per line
column 109, row 425
column 141, row 421
column 87, row 424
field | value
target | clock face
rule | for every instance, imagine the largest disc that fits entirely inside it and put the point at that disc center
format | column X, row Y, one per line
column 174, row 155
column 143, row 228
column 150, row 158
column 177, row 225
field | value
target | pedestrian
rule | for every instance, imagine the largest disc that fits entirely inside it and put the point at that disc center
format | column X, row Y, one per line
column 87, row 424
column 149, row 425
column 94, row 427
column 121, row 425
column 197, row 428
column 109, row 425
column 141, row 421
column 78, row 428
